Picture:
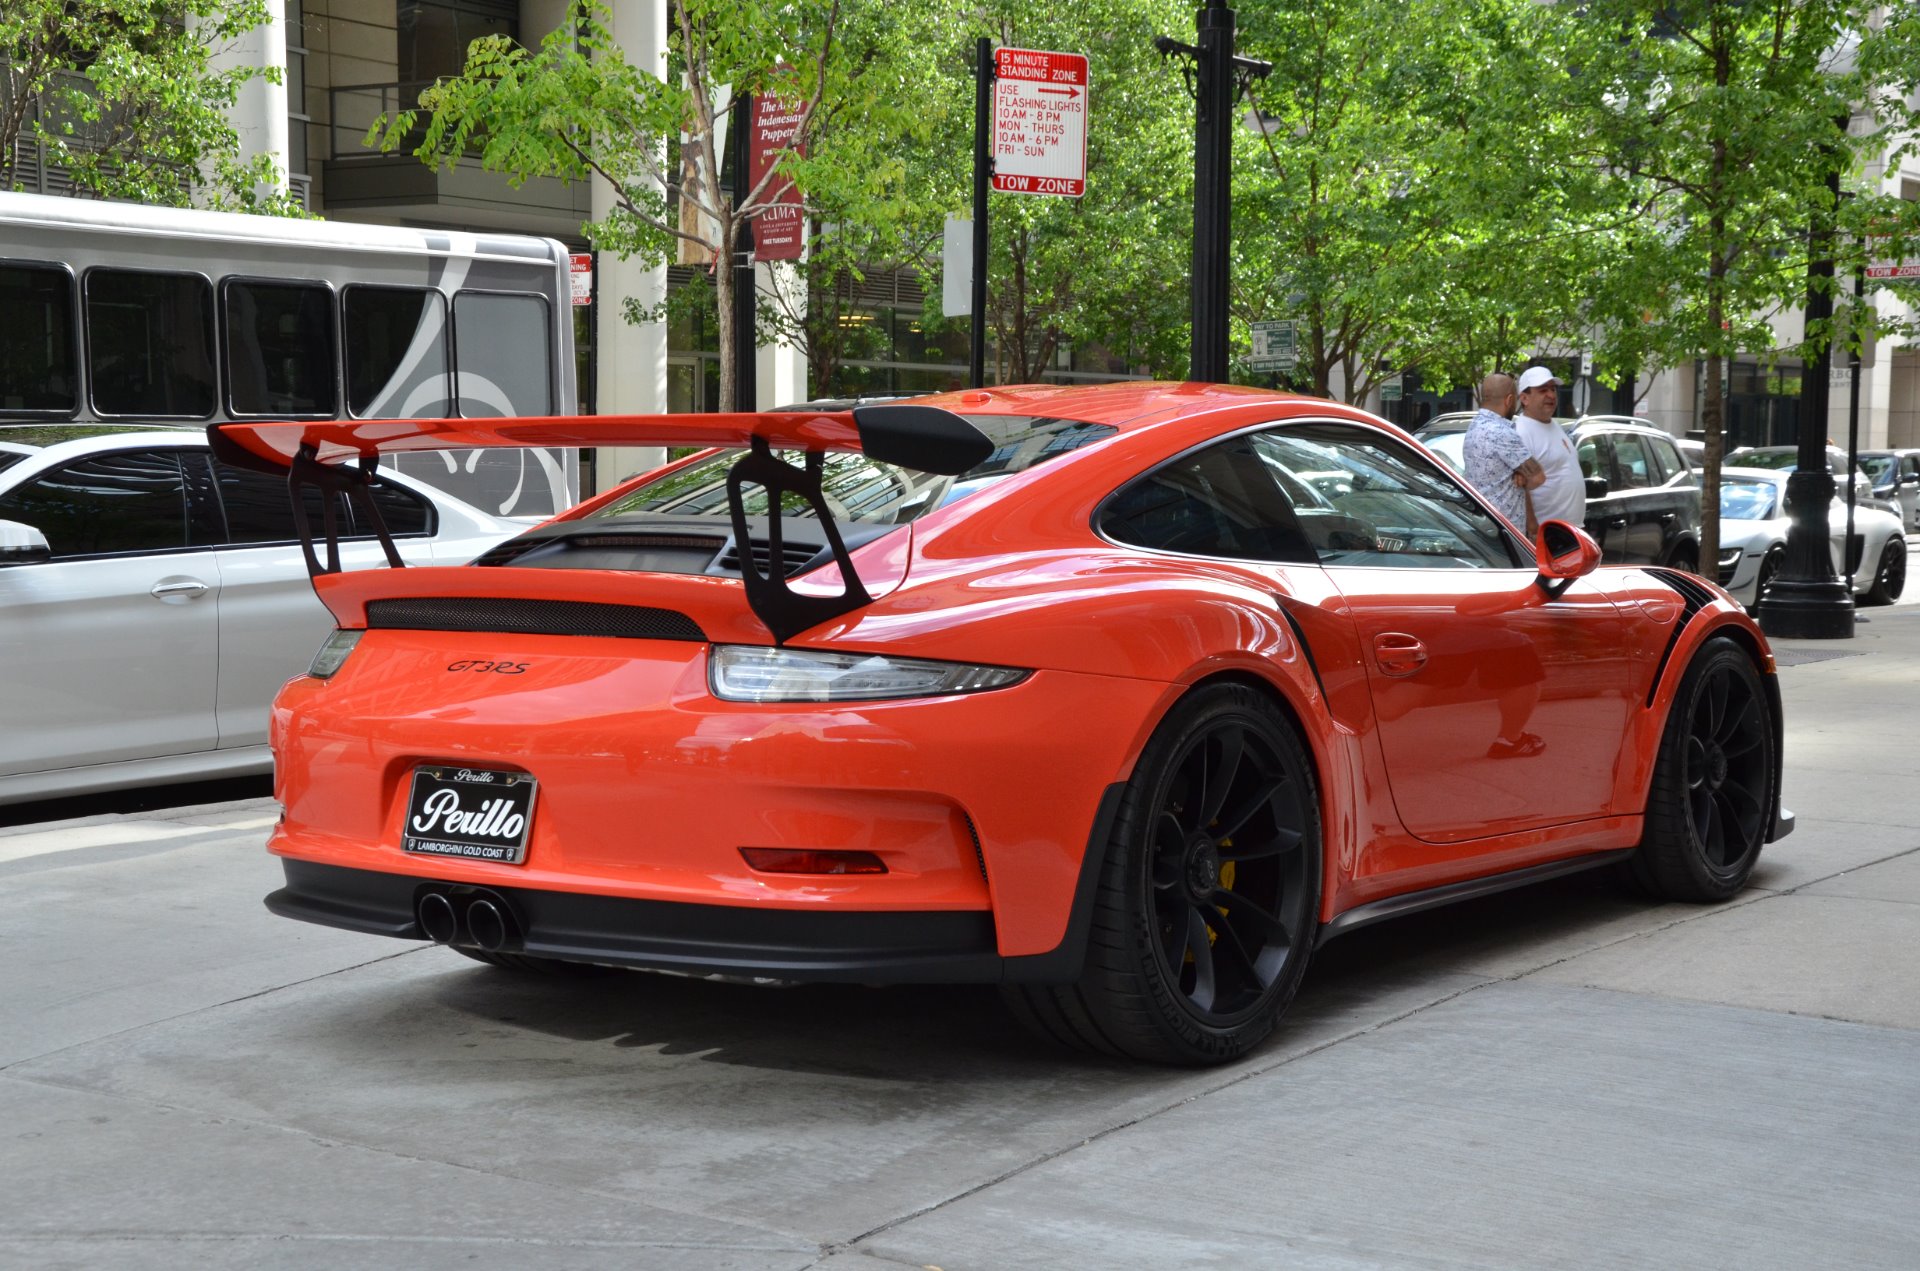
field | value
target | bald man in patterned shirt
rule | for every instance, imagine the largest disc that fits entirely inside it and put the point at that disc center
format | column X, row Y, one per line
column 1497, row 461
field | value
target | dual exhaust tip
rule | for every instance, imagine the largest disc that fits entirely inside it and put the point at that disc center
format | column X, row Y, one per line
column 480, row 918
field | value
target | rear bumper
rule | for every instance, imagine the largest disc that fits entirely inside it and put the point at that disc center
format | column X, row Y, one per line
column 886, row 947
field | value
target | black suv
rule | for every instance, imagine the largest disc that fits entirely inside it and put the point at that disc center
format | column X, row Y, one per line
column 1643, row 498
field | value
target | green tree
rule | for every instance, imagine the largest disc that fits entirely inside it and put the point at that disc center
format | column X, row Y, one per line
column 1407, row 199
column 123, row 94
column 576, row 108
column 1107, row 270
column 1722, row 121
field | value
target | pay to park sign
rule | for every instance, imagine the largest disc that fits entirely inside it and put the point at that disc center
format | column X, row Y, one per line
column 1039, row 122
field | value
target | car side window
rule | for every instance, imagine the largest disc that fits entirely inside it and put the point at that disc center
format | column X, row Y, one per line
column 258, row 510
column 1220, row 501
column 1667, row 456
column 406, row 513
column 1596, row 458
column 132, row 501
column 1631, row 462
column 1364, row 499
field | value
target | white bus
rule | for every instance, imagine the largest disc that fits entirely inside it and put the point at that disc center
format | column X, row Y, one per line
column 116, row 312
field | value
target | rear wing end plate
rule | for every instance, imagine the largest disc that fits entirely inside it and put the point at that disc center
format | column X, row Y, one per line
column 343, row 457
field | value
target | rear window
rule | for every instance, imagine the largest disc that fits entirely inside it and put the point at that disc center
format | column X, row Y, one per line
column 863, row 491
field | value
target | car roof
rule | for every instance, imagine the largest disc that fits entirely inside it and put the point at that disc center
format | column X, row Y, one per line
column 39, row 436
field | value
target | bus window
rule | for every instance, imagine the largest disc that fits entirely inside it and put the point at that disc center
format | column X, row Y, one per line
column 396, row 342
column 503, row 355
column 150, row 344
column 280, row 346
column 38, row 367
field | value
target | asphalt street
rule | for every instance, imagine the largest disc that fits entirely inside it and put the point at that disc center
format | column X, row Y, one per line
column 1565, row 1076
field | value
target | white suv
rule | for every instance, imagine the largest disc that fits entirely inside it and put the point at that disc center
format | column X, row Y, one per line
column 153, row 600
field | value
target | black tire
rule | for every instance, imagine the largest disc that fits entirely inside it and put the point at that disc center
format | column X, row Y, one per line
column 1890, row 579
column 1769, row 570
column 1685, row 557
column 1198, row 941
column 553, row 968
column 1711, row 803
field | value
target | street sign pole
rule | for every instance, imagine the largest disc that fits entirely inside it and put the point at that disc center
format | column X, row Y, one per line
column 982, row 173
column 746, row 345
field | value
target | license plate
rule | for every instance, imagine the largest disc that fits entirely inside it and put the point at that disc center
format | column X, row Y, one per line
column 477, row 814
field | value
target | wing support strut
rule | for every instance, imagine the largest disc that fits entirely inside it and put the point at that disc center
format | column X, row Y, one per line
column 353, row 480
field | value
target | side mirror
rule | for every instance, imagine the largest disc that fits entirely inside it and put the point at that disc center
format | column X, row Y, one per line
column 22, row 544
column 1597, row 488
column 1565, row 551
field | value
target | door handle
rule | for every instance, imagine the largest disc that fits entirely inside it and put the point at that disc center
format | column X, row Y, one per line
column 1617, row 523
column 1397, row 654
column 1667, row 517
column 184, row 587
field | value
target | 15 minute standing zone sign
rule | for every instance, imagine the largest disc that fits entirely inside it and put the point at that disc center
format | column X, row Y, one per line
column 1039, row 122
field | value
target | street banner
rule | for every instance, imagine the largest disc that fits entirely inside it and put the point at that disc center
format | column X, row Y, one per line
column 779, row 232
column 956, row 267
column 1039, row 122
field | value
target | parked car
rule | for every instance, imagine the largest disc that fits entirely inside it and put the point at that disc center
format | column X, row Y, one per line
column 152, row 600
column 1753, row 539
column 1643, row 498
column 1786, row 458
column 1125, row 697
column 1896, row 482
column 1453, row 421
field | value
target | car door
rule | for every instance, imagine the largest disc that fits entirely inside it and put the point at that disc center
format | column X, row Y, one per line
column 1643, row 500
column 270, row 620
column 112, row 644
column 1500, row 707
column 1908, row 489
column 1606, row 520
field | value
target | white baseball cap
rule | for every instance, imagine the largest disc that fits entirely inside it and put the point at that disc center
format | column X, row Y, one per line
column 1535, row 376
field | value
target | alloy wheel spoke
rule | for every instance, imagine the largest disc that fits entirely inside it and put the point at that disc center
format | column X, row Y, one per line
column 1169, row 849
column 1218, row 773
column 1273, row 926
column 1700, row 811
column 1205, row 991
column 1265, row 797
column 1282, row 842
column 1731, row 725
column 1230, row 941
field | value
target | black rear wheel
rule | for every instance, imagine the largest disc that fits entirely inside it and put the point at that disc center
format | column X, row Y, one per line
column 1890, row 579
column 1208, row 899
column 1712, row 799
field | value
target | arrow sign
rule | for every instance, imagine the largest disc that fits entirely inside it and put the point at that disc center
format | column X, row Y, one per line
column 1039, row 122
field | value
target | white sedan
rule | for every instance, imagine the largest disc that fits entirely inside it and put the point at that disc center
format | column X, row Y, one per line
column 153, row 600
column 1753, row 539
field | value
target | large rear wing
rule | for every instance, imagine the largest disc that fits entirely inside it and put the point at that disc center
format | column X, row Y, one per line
column 342, row 456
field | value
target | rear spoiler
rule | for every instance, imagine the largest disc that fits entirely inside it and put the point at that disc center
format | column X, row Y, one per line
column 342, row 456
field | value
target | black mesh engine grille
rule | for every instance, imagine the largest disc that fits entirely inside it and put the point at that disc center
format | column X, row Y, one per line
column 531, row 617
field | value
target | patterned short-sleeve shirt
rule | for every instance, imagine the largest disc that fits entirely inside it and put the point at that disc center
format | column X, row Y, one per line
column 1492, row 451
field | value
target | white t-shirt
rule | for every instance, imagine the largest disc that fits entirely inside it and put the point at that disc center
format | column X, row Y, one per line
column 1564, row 495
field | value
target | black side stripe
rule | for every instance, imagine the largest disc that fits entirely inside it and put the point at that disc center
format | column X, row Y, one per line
column 1697, row 597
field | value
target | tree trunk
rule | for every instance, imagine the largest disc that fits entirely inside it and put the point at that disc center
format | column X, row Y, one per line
column 723, row 302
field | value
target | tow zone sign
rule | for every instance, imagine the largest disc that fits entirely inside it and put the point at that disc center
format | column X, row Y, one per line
column 1039, row 122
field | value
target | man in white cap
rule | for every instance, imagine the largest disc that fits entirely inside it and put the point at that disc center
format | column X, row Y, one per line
column 1563, row 495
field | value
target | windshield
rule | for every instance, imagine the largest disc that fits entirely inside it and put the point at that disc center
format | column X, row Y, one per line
column 1879, row 467
column 1746, row 500
column 859, row 490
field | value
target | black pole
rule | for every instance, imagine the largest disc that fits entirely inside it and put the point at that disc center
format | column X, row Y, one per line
column 1853, row 422
column 1807, row 600
column 982, row 174
column 1212, row 190
column 746, row 345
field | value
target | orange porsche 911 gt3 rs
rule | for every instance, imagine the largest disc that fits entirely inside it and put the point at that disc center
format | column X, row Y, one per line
column 1125, row 698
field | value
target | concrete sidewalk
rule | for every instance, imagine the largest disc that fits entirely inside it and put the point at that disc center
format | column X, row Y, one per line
column 1565, row 1076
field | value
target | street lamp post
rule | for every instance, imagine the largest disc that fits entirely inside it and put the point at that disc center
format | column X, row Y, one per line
column 1215, row 77
column 1807, row 600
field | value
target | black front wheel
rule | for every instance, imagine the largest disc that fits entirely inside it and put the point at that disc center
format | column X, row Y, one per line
column 1208, row 899
column 1711, row 803
column 1891, row 577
